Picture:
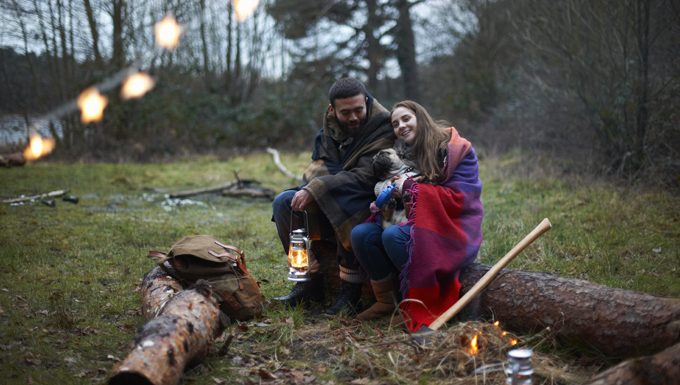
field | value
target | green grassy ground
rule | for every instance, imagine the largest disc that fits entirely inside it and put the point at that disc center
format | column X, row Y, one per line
column 68, row 299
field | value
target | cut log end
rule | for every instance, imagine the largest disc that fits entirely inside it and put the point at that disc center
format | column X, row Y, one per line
column 129, row 378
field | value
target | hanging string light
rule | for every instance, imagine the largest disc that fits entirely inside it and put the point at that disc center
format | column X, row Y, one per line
column 136, row 85
column 91, row 102
column 92, row 105
column 167, row 32
column 38, row 147
column 244, row 8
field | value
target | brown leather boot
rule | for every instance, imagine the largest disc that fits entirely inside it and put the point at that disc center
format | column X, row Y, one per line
column 384, row 300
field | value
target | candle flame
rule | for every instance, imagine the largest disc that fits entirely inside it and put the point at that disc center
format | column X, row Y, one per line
column 136, row 85
column 38, row 147
column 474, row 348
column 167, row 32
column 298, row 259
column 244, row 8
column 92, row 105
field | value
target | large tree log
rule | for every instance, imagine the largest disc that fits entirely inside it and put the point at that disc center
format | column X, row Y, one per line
column 619, row 323
column 660, row 369
column 179, row 337
column 157, row 289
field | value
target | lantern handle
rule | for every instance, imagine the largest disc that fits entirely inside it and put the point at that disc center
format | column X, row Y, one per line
column 305, row 218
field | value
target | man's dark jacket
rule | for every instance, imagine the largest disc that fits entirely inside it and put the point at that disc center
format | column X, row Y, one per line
column 340, row 177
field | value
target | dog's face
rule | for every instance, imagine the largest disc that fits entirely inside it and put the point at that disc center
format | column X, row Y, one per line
column 386, row 163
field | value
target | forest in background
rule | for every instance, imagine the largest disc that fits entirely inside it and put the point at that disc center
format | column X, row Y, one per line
column 591, row 86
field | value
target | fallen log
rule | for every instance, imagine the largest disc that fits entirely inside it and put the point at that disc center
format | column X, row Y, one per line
column 204, row 190
column 157, row 289
column 12, row 160
column 660, row 369
column 250, row 192
column 236, row 188
column 180, row 336
column 616, row 322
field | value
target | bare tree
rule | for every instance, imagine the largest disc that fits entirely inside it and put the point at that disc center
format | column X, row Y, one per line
column 94, row 31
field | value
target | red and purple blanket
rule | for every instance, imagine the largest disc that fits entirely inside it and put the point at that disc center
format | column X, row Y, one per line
column 446, row 235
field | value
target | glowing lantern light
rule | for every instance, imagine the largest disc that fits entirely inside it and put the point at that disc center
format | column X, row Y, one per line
column 38, row 147
column 474, row 348
column 298, row 256
column 136, row 85
column 92, row 105
column 299, row 250
column 244, row 8
column 167, row 32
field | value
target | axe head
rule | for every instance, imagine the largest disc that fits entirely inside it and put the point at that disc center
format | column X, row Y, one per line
column 423, row 337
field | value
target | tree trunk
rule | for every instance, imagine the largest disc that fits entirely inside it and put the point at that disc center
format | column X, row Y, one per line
column 94, row 32
column 616, row 322
column 230, row 28
column 642, row 88
column 204, row 47
column 179, row 337
column 660, row 369
column 373, row 46
column 406, row 51
column 118, row 57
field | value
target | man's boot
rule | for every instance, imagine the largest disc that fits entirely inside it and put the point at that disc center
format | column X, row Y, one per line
column 305, row 292
column 348, row 299
column 383, row 290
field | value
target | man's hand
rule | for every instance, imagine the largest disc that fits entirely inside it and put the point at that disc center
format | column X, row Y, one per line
column 301, row 199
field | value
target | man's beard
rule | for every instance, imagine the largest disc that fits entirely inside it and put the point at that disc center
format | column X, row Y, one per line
column 351, row 131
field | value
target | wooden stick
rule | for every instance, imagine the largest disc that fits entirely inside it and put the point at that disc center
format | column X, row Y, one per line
column 51, row 194
column 198, row 191
column 491, row 274
column 282, row 168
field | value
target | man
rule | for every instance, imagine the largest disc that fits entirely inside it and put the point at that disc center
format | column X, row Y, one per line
column 338, row 187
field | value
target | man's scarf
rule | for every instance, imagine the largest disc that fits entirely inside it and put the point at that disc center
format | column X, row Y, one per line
column 446, row 235
column 341, row 176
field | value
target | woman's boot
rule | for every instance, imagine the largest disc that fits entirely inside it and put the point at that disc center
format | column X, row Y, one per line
column 383, row 290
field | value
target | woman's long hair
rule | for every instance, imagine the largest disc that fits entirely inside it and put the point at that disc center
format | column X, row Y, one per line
column 430, row 142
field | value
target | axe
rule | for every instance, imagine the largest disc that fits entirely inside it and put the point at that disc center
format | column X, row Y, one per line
column 542, row 227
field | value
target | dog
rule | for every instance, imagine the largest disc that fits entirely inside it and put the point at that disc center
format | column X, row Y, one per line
column 391, row 170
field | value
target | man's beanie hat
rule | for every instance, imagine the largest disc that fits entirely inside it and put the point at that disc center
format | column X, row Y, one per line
column 345, row 88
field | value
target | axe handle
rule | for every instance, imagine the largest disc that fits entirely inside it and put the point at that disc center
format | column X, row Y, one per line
column 491, row 274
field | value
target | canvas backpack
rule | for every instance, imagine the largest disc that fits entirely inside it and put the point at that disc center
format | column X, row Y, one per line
column 222, row 266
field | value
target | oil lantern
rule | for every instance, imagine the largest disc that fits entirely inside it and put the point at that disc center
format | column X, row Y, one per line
column 298, row 252
column 519, row 369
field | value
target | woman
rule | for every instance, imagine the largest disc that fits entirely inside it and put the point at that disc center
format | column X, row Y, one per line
column 443, row 230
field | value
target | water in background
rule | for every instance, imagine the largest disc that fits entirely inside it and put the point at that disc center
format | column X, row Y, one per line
column 14, row 133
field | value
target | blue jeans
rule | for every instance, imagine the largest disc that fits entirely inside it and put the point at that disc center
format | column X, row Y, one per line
column 381, row 252
column 282, row 218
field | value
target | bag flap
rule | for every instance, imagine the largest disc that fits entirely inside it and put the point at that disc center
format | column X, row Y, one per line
column 203, row 247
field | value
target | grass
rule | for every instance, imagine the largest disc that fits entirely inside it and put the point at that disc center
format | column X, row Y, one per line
column 69, row 305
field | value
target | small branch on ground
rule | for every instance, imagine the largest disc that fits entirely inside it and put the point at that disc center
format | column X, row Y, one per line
column 237, row 188
column 204, row 190
column 51, row 194
column 281, row 167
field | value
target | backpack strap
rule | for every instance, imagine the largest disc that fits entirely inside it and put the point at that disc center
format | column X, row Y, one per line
column 239, row 258
column 158, row 256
